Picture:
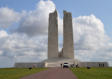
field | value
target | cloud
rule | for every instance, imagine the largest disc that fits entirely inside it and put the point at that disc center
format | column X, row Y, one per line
column 22, row 49
column 1, row 52
column 90, row 32
column 8, row 17
column 36, row 22
column 3, row 34
column 6, row 62
column 28, row 43
column 91, row 41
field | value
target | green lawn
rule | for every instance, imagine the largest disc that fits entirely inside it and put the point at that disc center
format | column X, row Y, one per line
column 93, row 73
column 16, row 73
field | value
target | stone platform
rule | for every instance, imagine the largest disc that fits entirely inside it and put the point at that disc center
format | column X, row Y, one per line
column 56, row 62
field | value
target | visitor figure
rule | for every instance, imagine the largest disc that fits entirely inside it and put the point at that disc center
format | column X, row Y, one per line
column 61, row 66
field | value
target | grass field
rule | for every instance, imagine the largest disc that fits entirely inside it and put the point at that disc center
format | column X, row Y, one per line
column 16, row 73
column 93, row 73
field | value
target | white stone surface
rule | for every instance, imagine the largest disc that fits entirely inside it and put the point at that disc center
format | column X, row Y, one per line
column 29, row 64
column 53, row 36
column 68, row 44
column 93, row 64
column 56, row 62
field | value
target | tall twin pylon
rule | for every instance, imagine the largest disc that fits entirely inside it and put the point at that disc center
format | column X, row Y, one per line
column 68, row 44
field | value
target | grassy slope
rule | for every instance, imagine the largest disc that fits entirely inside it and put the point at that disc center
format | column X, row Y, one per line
column 93, row 73
column 16, row 73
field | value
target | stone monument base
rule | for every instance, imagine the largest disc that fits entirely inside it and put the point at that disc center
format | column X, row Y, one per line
column 56, row 62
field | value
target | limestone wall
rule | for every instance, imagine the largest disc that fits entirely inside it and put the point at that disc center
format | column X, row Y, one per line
column 27, row 65
column 68, row 44
column 53, row 36
column 58, row 62
column 93, row 64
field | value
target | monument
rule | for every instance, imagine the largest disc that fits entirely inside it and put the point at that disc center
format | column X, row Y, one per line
column 68, row 44
column 66, row 55
column 55, row 58
column 53, row 36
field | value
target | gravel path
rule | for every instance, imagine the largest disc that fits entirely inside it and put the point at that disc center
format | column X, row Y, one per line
column 53, row 73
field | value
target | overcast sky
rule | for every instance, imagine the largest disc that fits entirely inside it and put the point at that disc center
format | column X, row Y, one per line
column 24, row 29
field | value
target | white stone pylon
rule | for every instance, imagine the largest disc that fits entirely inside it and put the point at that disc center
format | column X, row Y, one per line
column 53, row 35
column 68, row 43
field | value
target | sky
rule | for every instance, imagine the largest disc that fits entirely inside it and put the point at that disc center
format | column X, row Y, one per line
column 24, row 29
